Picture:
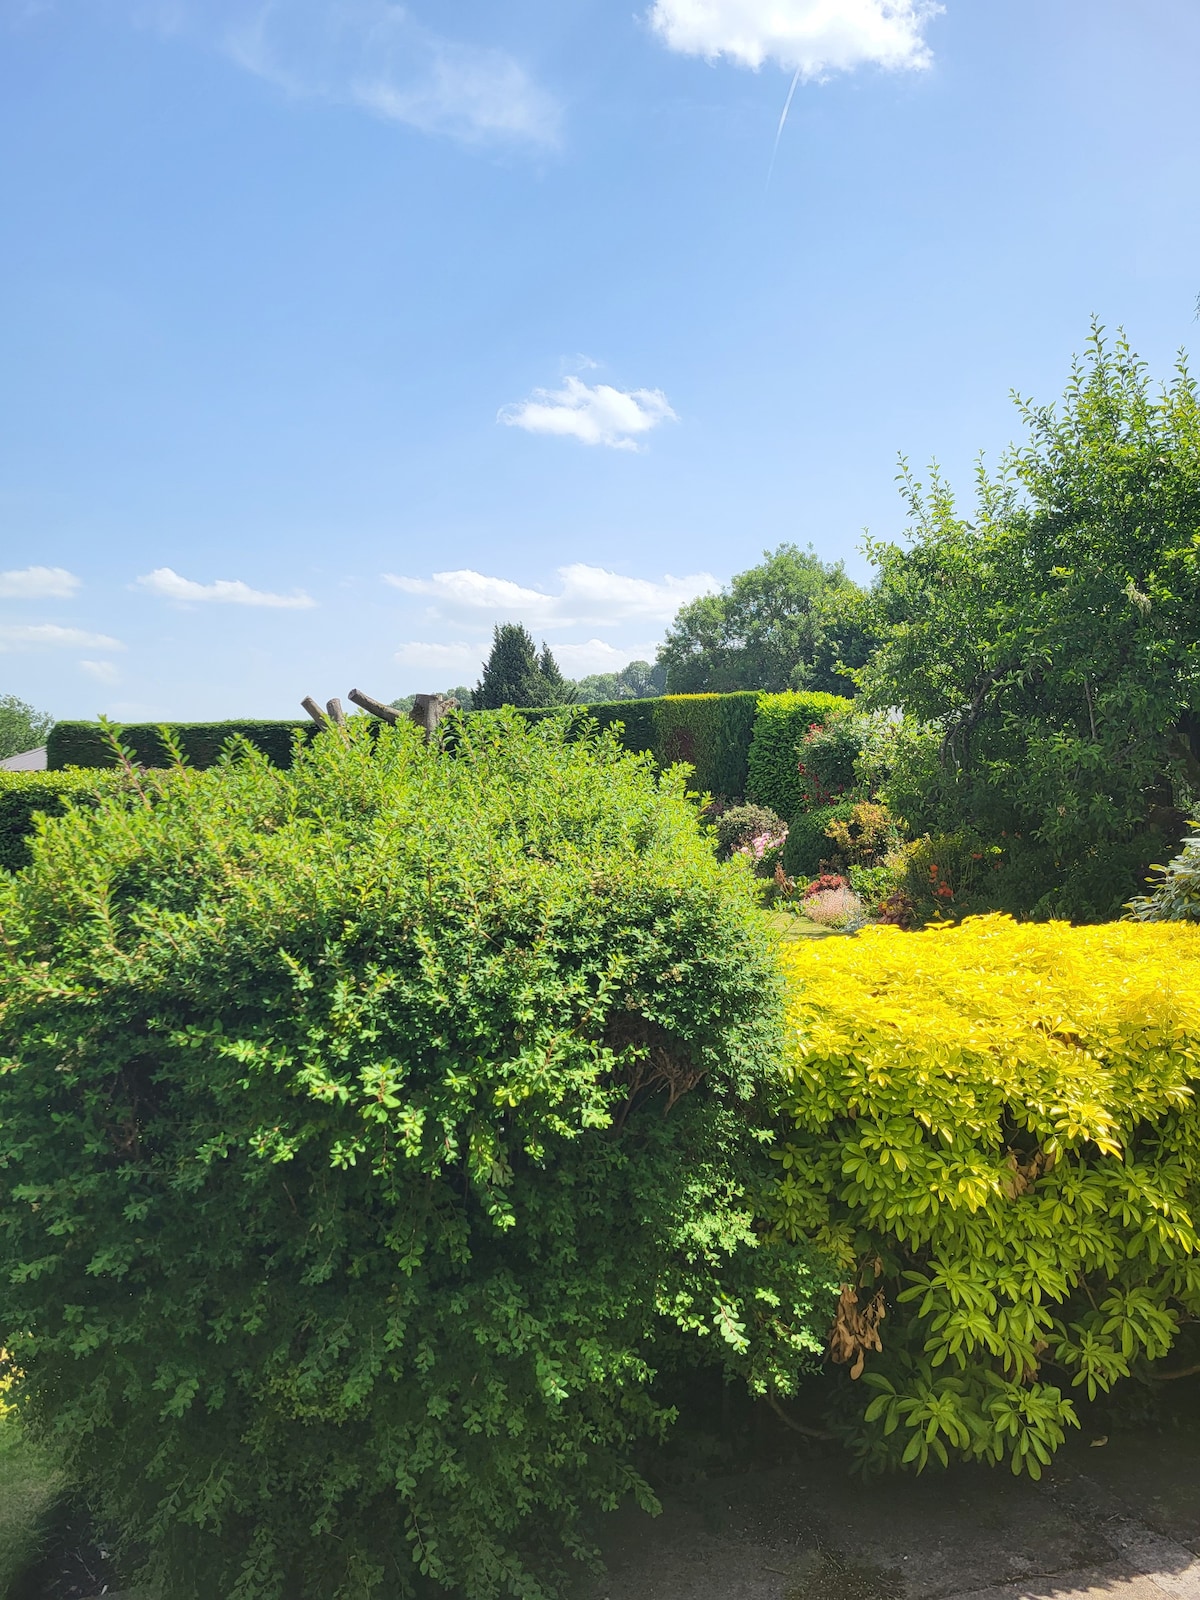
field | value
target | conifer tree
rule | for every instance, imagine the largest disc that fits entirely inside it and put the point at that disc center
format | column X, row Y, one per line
column 515, row 675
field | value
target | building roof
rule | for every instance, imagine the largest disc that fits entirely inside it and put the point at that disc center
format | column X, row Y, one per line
column 27, row 761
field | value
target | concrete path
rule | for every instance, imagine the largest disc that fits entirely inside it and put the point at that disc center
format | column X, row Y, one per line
column 1121, row 1521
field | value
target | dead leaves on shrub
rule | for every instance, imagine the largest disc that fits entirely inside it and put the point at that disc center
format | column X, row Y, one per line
column 856, row 1329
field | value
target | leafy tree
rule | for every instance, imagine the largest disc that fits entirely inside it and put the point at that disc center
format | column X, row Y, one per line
column 637, row 681
column 786, row 624
column 515, row 675
column 21, row 726
column 1049, row 645
column 460, row 693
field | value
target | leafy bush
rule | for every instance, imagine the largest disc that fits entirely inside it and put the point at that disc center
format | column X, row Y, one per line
column 1175, row 897
column 23, row 795
column 783, row 720
column 808, row 844
column 711, row 732
column 829, row 758
column 740, row 824
column 993, row 1127
column 370, row 1130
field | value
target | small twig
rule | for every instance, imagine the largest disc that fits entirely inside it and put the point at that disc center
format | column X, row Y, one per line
column 797, row 1427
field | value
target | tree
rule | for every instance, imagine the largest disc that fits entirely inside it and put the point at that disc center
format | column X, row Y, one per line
column 786, row 624
column 515, row 675
column 637, row 681
column 21, row 726
column 1050, row 644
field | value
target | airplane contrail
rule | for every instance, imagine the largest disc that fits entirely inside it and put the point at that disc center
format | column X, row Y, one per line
column 783, row 116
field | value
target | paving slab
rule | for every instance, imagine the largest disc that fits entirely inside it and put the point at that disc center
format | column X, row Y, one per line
column 1122, row 1521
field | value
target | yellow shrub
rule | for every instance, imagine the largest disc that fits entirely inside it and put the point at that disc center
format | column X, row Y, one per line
column 993, row 1128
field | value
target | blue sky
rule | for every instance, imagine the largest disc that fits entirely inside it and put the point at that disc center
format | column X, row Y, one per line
column 334, row 331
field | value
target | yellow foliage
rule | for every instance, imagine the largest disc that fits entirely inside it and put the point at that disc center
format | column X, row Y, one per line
column 995, row 1122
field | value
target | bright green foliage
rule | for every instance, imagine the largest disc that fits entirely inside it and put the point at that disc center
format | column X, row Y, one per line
column 787, row 624
column 21, row 726
column 1175, row 896
column 371, row 1129
column 88, row 744
column 1049, row 643
column 994, row 1128
column 24, row 794
column 773, row 774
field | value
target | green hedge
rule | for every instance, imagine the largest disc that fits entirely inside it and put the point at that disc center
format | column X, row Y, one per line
column 782, row 721
column 711, row 732
column 82, row 744
column 22, row 796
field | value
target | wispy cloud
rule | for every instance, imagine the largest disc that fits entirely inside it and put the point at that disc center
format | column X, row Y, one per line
column 102, row 671
column 38, row 583
column 587, row 597
column 594, row 414
column 39, row 635
column 168, row 584
column 808, row 37
column 375, row 55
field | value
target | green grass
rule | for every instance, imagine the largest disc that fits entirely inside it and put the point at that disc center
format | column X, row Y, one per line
column 30, row 1485
column 787, row 926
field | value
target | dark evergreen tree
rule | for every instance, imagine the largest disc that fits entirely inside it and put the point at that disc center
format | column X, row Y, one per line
column 515, row 675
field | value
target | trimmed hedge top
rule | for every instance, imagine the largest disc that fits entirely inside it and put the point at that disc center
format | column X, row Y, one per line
column 24, row 794
column 82, row 744
column 773, row 774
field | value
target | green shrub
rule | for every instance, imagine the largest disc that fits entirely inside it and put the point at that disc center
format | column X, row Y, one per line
column 371, row 1130
column 711, row 732
column 23, row 795
column 994, row 1127
column 84, row 744
column 740, row 824
column 808, row 844
column 773, row 776
column 1175, row 896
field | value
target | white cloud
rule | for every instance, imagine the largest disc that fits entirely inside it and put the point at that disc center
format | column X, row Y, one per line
column 35, row 634
column 587, row 597
column 595, row 414
column 445, row 660
column 38, row 583
column 463, row 663
column 102, row 671
column 810, row 37
column 374, row 55
column 595, row 655
column 225, row 591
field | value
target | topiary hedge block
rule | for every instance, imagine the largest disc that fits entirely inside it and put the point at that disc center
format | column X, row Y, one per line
column 23, row 795
column 773, row 777
column 82, row 744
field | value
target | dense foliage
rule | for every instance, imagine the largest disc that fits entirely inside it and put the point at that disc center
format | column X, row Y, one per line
column 1048, row 645
column 774, row 777
column 1175, row 892
column 21, row 726
column 993, row 1127
column 514, row 674
column 790, row 623
column 371, row 1130
column 23, row 795
column 89, row 744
